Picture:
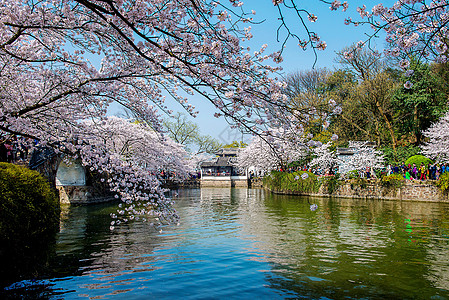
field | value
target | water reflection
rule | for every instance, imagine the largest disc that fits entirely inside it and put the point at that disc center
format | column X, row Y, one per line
column 360, row 246
column 242, row 243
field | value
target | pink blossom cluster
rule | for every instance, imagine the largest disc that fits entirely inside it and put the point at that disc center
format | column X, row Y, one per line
column 412, row 26
column 324, row 157
column 273, row 149
column 336, row 4
column 365, row 156
column 130, row 155
column 437, row 146
column 65, row 62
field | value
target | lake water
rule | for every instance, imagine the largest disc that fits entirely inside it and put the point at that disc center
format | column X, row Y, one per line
column 242, row 243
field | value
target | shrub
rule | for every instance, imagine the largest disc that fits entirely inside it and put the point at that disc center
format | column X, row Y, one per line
column 331, row 183
column 354, row 174
column 418, row 160
column 29, row 219
column 354, row 178
column 443, row 182
column 401, row 154
column 394, row 181
column 297, row 181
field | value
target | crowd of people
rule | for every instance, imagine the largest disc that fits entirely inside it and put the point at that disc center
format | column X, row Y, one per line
column 14, row 149
column 421, row 172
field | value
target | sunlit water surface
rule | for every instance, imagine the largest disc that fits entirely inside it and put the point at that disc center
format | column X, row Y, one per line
column 242, row 243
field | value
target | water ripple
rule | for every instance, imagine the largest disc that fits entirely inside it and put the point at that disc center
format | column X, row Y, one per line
column 239, row 243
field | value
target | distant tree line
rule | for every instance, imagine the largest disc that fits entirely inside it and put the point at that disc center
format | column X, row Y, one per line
column 384, row 100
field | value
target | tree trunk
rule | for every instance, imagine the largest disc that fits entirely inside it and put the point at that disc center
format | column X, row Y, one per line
column 378, row 131
column 390, row 127
column 356, row 126
column 416, row 125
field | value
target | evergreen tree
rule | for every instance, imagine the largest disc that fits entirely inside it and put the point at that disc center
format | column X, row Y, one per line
column 419, row 101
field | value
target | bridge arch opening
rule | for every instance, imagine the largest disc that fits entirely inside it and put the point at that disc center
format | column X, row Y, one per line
column 70, row 173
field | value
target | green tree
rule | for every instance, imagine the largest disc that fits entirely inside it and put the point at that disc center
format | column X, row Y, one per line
column 352, row 123
column 419, row 102
column 441, row 71
column 401, row 154
column 187, row 133
column 236, row 144
column 368, row 106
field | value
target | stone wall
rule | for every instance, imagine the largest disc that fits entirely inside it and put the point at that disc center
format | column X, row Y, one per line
column 256, row 182
column 225, row 182
column 371, row 189
column 215, row 183
column 424, row 191
column 77, row 195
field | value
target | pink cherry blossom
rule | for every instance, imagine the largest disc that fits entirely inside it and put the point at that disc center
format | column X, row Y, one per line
column 312, row 18
column 273, row 150
column 335, row 5
column 324, row 158
column 408, row 85
column 337, row 110
column 405, row 63
column 412, row 26
column 65, row 63
column 437, row 146
column 364, row 156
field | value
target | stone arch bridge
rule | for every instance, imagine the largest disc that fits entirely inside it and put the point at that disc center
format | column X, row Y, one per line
column 75, row 184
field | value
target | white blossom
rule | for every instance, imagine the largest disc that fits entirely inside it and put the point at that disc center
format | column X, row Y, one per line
column 364, row 156
column 437, row 147
column 273, row 150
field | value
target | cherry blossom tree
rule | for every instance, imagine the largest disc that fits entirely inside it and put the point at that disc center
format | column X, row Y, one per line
column 324, row 158
column 272, row 152
column 63, row 62
column 130, row 156
column 146, row 48
column 437, row 146
column 413, row 27
column 142, row 146
column 146, row 51
column 364, row 156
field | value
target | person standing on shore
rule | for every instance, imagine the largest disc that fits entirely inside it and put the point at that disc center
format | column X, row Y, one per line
column 423, row 171
column 414, row 172
column 407, row 175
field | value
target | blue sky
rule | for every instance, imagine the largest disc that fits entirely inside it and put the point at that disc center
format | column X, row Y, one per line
column 329, row 26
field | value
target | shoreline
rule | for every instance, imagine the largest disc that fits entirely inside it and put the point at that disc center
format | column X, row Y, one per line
column 411, row 191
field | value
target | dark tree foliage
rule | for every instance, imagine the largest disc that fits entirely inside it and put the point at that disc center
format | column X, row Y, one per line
column 419, row 102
